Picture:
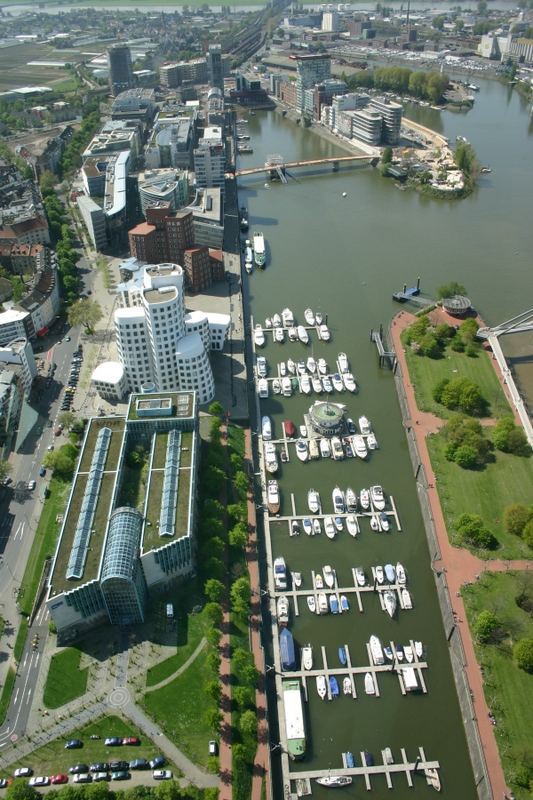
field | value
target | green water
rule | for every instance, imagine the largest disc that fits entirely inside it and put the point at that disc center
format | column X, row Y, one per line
column 345, row 256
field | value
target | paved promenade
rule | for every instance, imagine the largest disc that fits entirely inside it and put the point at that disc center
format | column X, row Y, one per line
column 460, row 566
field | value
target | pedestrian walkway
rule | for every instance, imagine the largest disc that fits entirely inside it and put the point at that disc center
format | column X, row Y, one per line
column 181, row 669
column 459, row 564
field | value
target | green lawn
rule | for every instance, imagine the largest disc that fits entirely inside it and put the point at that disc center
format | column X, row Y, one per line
column 236, row 439
column 44, row 542
column 190, row 629
column 53, row 758
column 426, row 372
column 65, row 680
column 506, row 686
column 485, row 492
column 20, row 641
column 180, row 708
column 7, row 691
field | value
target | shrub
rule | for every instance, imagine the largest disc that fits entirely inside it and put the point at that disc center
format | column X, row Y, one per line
column 510, row 438
column 473, row 531
column 527, row 534
column 486, row 626
column 461, row 394
column 466, row 456
column 449, row 289
column 471, row 351
column 444, row 332
column 523, row 654
column 460, row 432
column 516, row 517
column 457, row 345
column 429, row 346
column 416, row 331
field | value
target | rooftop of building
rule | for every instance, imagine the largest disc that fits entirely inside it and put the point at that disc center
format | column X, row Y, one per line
column 165, row 294
column 207, row 205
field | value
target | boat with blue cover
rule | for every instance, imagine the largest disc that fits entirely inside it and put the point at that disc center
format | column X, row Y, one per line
column 333, row 686
column 287, row 652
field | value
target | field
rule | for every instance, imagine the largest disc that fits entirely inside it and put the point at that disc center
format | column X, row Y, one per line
column 65, row 680
column 506, row 686
column 485, row 492
column 15, row 72
column 190, row 629
column 53, row 758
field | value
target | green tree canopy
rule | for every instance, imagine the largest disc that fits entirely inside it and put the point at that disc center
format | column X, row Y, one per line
column 523, row 654
column 486, row 626
column 214, row 590
column 85, row 312
column 516, row 517
column 450, row 289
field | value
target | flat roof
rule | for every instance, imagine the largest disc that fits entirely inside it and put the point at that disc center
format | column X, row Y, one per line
column 182, row 404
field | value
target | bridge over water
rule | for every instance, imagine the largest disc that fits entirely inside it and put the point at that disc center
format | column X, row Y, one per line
column 276, row 166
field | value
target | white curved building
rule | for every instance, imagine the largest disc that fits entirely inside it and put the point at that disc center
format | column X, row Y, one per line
column 158, row 343
column 109, row 379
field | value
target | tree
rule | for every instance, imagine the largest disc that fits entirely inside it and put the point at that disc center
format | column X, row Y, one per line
column 240, row 482
column 472, row 531
column 5, row 469
column 19, row 790
column 450, row 289
column 527, row 534
column 238, row 537
column 510, row 438
column 523, row 654
column 216, row 409
column 466, row 456
column 486, row 626
column 67, row 419
column 213, row 612
column 214, row 719
column 429, row 346
column 85, row 312
column 240, row 596
column 438, row 22
column 386, row 156
column 516, row 517
column 214, row 590
column 248, row 724
column 243, row 696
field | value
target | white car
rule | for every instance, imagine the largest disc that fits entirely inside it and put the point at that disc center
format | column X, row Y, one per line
column 23, row 772
column 31, row 485
column 41, row 780
column 161, row 774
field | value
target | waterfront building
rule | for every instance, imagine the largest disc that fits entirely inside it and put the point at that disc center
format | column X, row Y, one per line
column 366, row 126
column 210, row 159
column 167, row 185
column 208, row 217
column 110, row 555
column 164, row 236
column 120, row 69
column 391, row 114
column 323, row 94
column 214, row 67
column 310, row 70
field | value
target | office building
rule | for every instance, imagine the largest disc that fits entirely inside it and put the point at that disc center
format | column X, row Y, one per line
column 136, row 103
column 210, row 159
column 163, row 185
column 330, row 21
column 120, row 69
column 208, row 218
column 310, row 69
column 170, row 143
column 215, row 73
column 391, row 114
column 366, row 126
column 113, row 552
column 20, row 352
column 164, row 236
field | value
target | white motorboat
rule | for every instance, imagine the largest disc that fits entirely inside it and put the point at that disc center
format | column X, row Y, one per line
column 329, row 576
column 371, row 441
column 333, row 604
column 352, row 524
column 323, row 333
column 433, row 778
column 305, row 384
column 323, row 607
column 325, row 448
column 317, row 530
column 401, row 575
column 259, row 336
column 337, row 521
column 292, row 333
column 329, row 527
column 268, row 322
column 271, row 457
column 407, row 601
column 337, row 450
column 311, row 365
column 301, row 368
column 262, row 388
column 399, row 653
column 322, row 366
column 409, row 655
column 262, row 367
column 321, row 686
column 302, row 450
column 349, row 382
column 309, row 317
column 346, row 685
column 303, row 431
column 316, row 384
column 351, row 500
column 279, row 335
column 338, row 500
column 419, row 649
column 266, row 428
column 303, row 336
column 369, row 684
column 311, row 603
column 276, row 386
column 327, row 384
column 360, row 576
column 345, row 605
column 388, row 758
column 364, row 426
column 287, row 318
column 291, row 366
column 364, row 499
column 295, row 528
column 334, row 781
column 307, row 656
column 319, row 581
column 374, row 523
column 286, row 387
column 280, row 573
column 376, row 651
column 377, row 496
column 338, row 383
column 248, row 257
column 384, row 521
column 350, row 424
column 282, row 610
column 390, row 602
column 359, row 446
column 283, row 369
column 259, row 250
column 297, row 579
column 380, row 575
column 307, row 525
column 313, row 501
column 273, row 499
column 344, row 365
column 276, row 321
column 314, row 452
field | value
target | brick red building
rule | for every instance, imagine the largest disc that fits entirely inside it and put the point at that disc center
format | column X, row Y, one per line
column 164, row 236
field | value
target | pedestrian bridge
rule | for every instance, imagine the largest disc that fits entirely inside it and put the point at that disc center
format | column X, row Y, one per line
column 276, row 166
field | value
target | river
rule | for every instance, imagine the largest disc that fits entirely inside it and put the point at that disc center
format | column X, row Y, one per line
column 345, row 256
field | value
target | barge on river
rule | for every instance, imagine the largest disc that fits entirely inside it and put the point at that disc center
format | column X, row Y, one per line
column 294, row 719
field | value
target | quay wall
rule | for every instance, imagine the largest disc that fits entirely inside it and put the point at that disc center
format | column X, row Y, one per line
column 453, row 636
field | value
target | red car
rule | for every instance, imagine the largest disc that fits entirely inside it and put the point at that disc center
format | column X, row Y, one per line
column 131, row 740
column 59, row 779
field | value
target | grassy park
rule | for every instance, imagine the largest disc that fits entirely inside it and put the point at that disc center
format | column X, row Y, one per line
column 190, row 629
column 65, row 680
column 506, row 686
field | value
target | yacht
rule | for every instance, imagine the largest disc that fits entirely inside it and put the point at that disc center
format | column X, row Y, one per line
column 344, row 366
column 338, row 500
column 338, row 383
column 317, row 530
column 329, row 576
column 323, row 607
column 311, row 603
column 311, row 365
column 369, row 684
column 248, row 256
column 376, row 651
column 280, row 573
column 321, row 686
column 259, row 336
column 271, row 457
column 259, row 250
column 390, row 601
column 360, row 576
column 282, row 610
column 371, row 441
column 303, row 431
column 296, row 579
column 276, row 321
column 359, row 446
column 313, row 501
column 276, row 386
column 384, row 521
column 316, row 384
column 401, row 575
column 268, row 322
column 409, row 655
column 364, row 499
column 287, row 318
column 323, row 333
column 305, row 384
column 349, row 382
column 301, row 369
column 374, row 523
column 262, row 388
column 419, row 649
column 319, row 581
column 399, row 653
column 286, row 387
column 378, row 499
column 302, row 450
column 337, row 449
column 333, row 605
column 307, row 525
column 364, row 426
column 307, row 656
column 319, row 317
column 303, row 336
column 347, row 687
column 351, row 500
column 273, row 502
column 266, row 428
column 352, row 524
column 325, row 448
column 326, row 384
column 329, row 527
column 380, row 575
column 279, row 335
column 322, row 366
column 334, row 781
column 262, row 367
column 295, row 530
column 293, row 334
column 291, row 366
column 407, row 602
column 314, row 452
column 433, row 778
column 339, row 524
column 309, row 317
column 350, row 424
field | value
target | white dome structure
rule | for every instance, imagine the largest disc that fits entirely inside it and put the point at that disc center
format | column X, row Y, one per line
column 109, row 380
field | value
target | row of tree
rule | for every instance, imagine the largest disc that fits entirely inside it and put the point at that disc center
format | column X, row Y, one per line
column 71, row 158
column 431, row 340
column 468, row 446
column 166, row 790
column 61, row 234
column 401, row 80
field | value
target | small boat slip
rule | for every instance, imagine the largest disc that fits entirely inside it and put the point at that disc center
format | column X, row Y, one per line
column 359, row 514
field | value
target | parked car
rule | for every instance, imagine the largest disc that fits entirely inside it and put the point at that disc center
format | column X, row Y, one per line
column 94, row 736
column 121, row 775
column 133, row 740
column 139, row 763
column 23, row 772
column 113, row 741
column 158, row 761
column 119, row 766
column 31, row 485
column 73, row 744
column 161, row 774
column 83, row 777
column 3, row 783
column 99, row 766
column 77, row 769
column 55, row 779
column 213, row 748
column 40, row 780
column 100, row 776
column 42, row 471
